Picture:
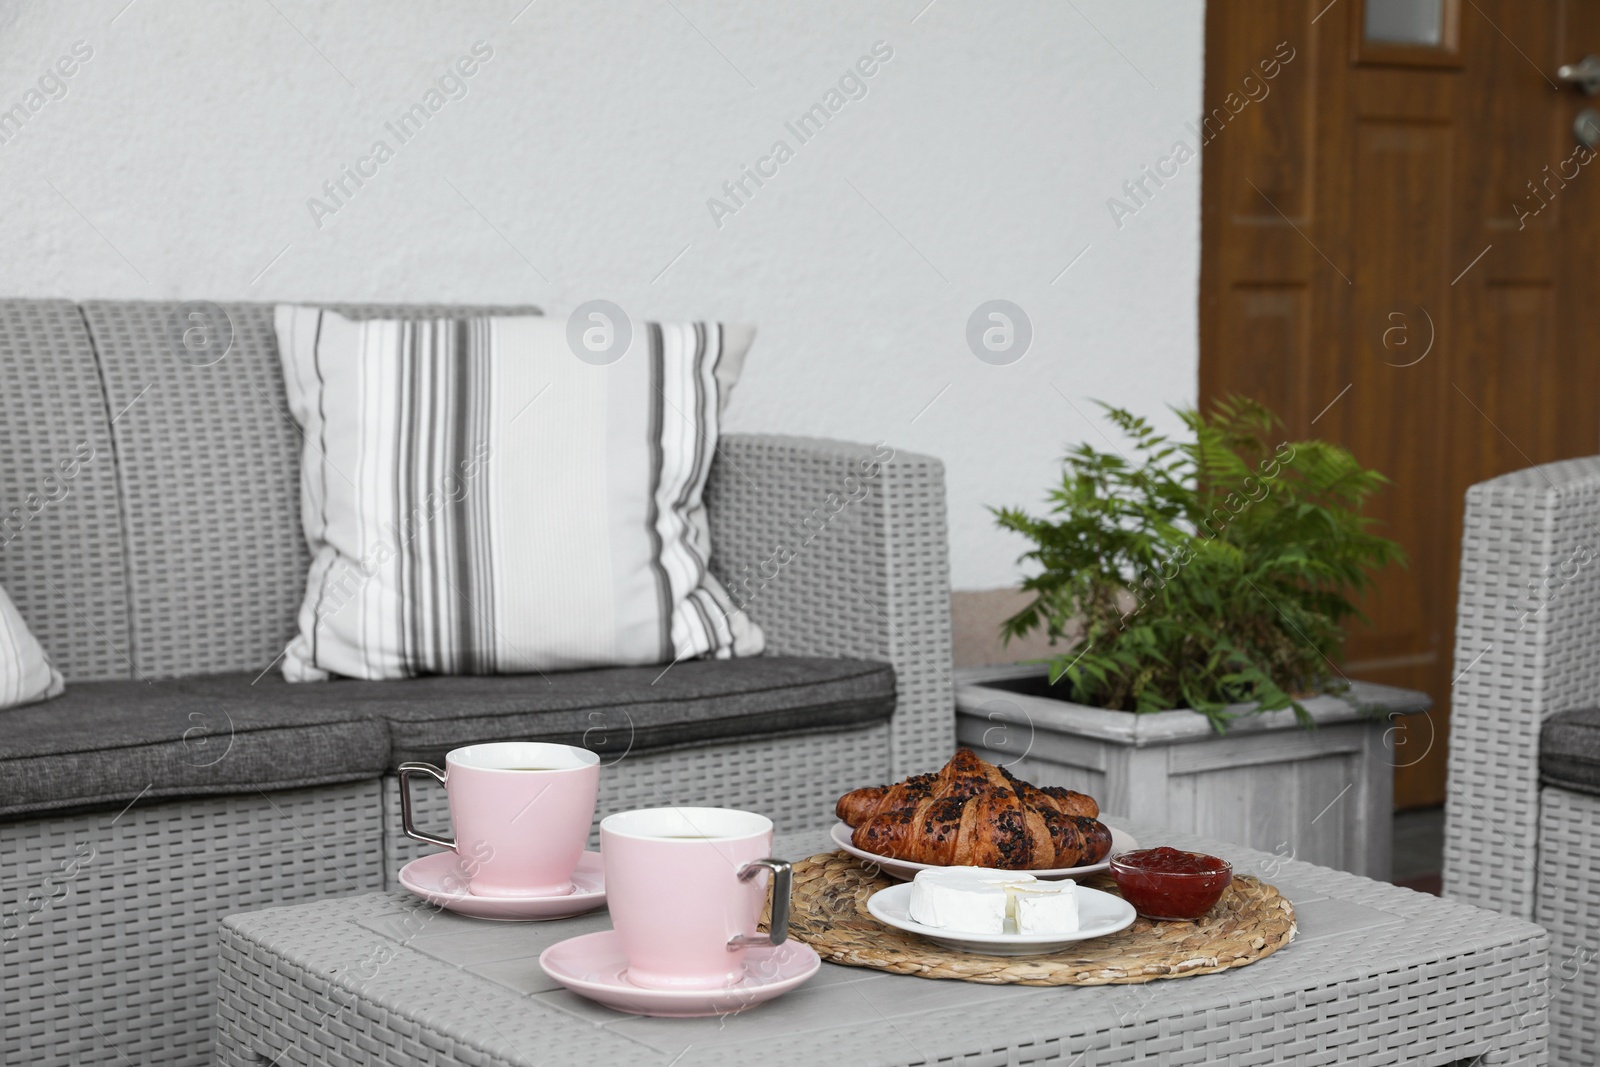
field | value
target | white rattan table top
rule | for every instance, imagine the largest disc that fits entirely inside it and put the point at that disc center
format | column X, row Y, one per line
column 1377, row 974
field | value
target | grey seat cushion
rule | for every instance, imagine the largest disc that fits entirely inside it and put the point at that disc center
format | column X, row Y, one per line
column 636, row 709
column 1569, row 750
column 103, row 744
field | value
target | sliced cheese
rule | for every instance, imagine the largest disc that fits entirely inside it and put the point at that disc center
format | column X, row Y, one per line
column 1046, row 907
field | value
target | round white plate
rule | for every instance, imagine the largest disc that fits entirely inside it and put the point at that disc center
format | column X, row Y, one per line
column 438, row 879
column 1099, row 914
column 905, row 870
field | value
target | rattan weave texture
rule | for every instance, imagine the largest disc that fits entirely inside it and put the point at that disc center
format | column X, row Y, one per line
column 209, row 459
column 1379, row 975
column 1528, row 622
column 842, row 549
column 209, row 469
column 1569, row 907
column 109, row 955
column 60, row 529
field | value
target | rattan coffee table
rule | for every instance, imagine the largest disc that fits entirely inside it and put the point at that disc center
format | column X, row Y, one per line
column 1376, row 975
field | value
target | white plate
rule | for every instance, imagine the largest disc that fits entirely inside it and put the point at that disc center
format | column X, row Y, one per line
column 1099, row 914
column 905, row 870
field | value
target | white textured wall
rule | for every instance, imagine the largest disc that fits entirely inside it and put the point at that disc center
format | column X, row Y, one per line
column 179, row 159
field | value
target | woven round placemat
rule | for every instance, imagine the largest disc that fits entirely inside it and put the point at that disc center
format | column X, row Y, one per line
column 829, row 913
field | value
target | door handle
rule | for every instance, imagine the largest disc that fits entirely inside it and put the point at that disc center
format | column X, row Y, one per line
column 1586, row 127
column 1585, row 74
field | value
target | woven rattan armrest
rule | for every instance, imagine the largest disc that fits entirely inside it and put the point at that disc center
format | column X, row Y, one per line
column 1527, row 627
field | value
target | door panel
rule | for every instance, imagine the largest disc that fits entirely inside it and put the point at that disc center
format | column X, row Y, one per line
column 1394, row 257
column 1274, row 331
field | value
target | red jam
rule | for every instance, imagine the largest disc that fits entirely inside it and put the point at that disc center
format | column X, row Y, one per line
column 1166, row 883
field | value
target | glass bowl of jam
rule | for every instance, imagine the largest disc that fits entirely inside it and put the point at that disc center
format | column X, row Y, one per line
column 1167, row 883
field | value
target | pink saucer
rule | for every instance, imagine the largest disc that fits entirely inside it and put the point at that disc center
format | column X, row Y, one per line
column 436, row 879
column 593, row 966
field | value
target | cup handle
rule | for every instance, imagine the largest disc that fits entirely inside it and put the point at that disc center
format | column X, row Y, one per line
column 406, row 771
column 782, row 883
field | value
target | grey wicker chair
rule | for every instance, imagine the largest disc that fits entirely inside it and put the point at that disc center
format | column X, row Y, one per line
column 1526, row 654
column 176, row 552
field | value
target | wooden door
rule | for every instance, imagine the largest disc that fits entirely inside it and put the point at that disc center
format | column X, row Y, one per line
column 1398, row 243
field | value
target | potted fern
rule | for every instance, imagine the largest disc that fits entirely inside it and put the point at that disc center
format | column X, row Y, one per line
column 1198, row 592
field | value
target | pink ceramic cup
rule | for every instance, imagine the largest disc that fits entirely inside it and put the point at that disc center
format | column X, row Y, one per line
column 521, row 812
column 685, row 888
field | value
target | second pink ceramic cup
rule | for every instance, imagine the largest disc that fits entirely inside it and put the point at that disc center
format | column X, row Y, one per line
column 685, row 888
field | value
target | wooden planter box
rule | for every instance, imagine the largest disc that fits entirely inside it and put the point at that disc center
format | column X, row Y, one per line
column 1322, row 795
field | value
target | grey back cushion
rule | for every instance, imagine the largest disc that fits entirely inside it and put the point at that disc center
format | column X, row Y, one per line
column 60, row 533
column 209, row 459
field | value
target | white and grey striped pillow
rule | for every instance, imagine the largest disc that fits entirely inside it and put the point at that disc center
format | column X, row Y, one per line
column 479, row 500
column 26, row 674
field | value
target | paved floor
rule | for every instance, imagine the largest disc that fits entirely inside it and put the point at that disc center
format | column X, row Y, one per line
column 1418, row 849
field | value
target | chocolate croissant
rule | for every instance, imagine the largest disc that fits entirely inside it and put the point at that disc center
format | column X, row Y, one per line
column 974, row 813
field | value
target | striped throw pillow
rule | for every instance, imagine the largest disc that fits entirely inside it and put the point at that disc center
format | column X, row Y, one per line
column 25, row 671
column 480, row 500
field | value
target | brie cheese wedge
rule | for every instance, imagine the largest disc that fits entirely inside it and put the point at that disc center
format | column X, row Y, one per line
column 969, row 899
column 982, row 900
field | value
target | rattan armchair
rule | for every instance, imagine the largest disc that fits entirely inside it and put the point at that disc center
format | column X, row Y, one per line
column 1527, row 632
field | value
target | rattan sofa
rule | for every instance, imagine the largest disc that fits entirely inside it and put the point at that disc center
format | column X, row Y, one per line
column 150, row 530
column 1522, row 830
